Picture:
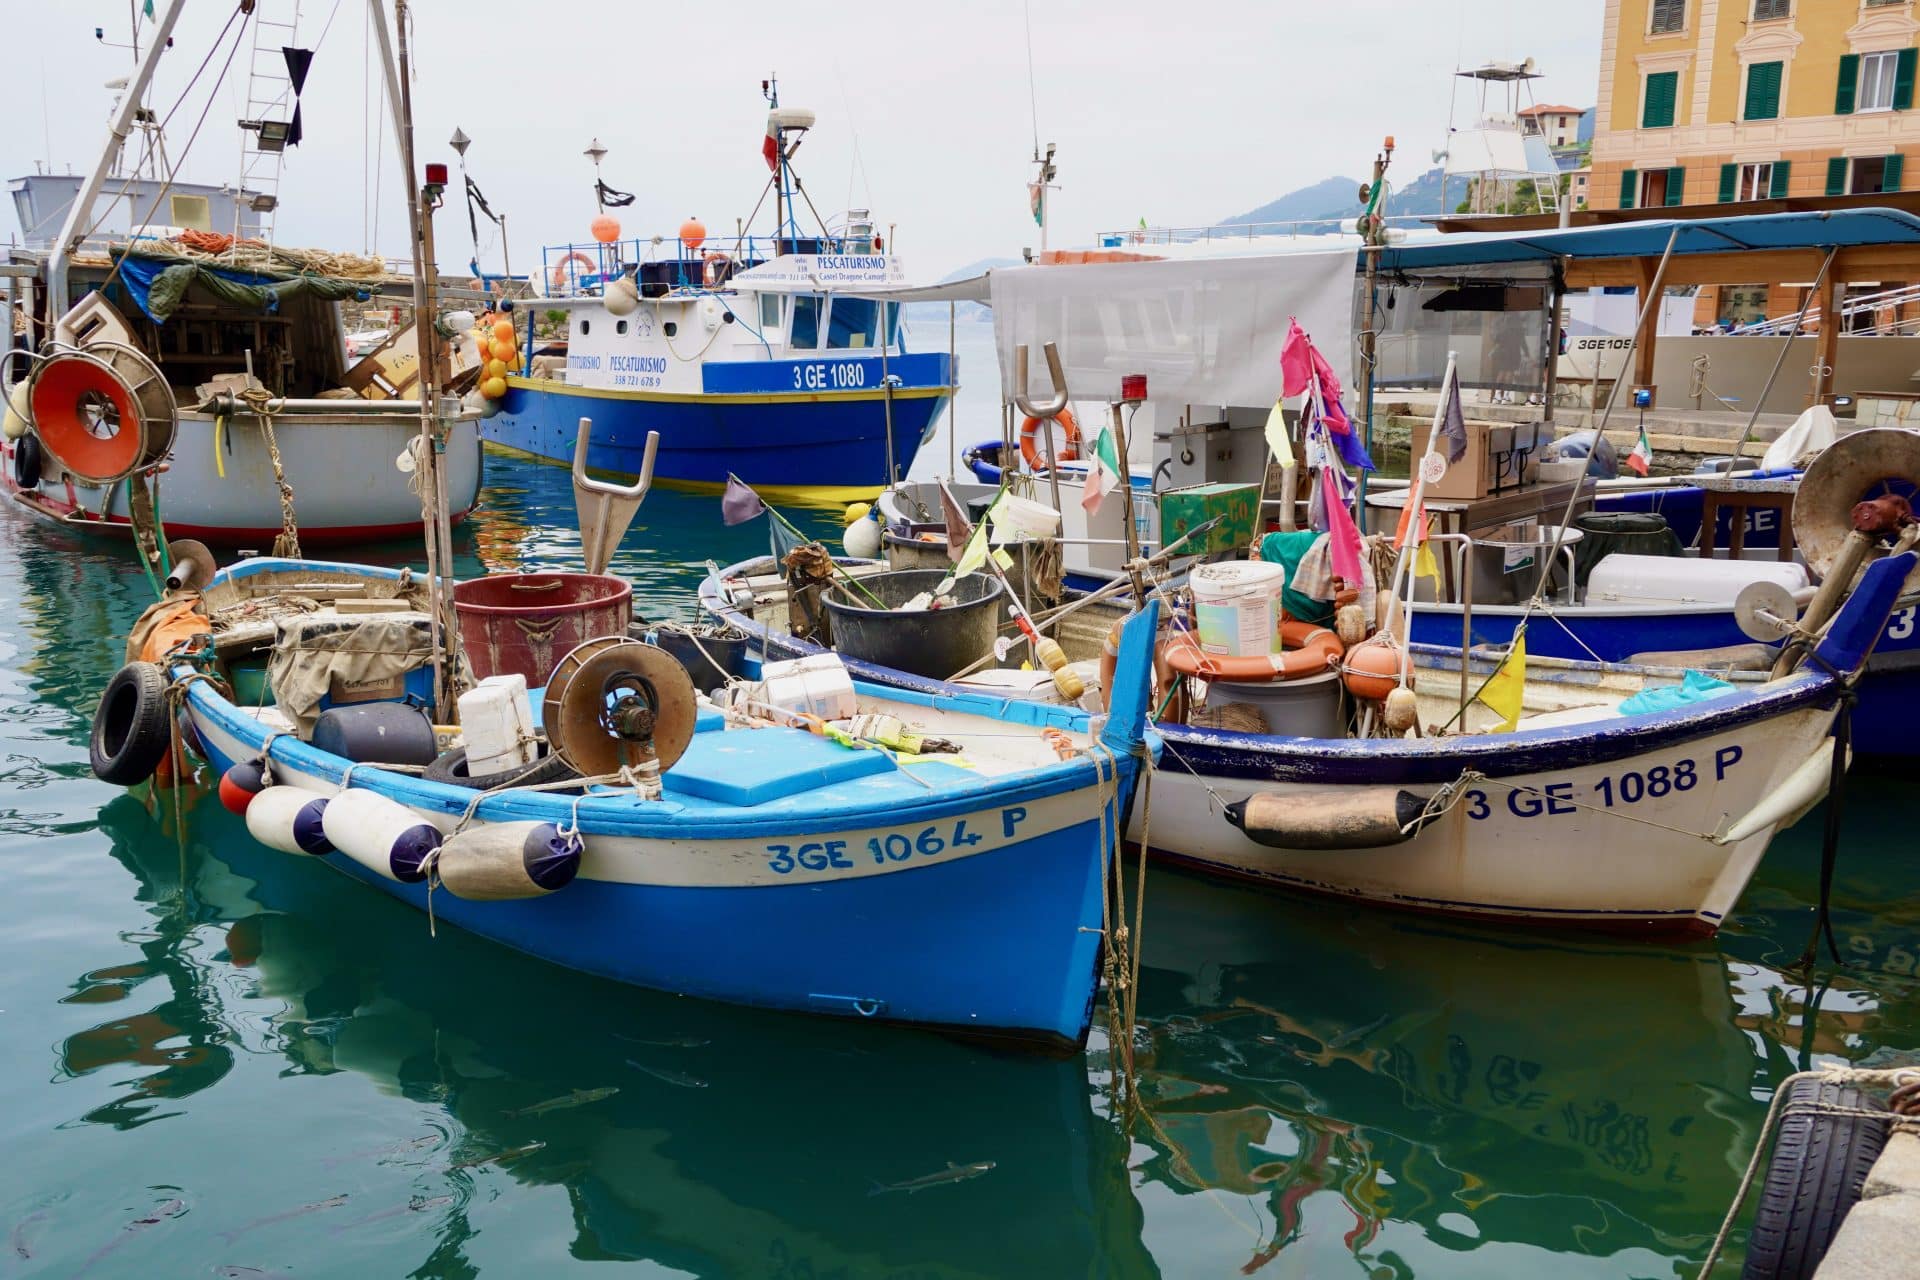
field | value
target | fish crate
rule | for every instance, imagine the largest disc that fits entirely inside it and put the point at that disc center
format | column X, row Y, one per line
column 1188, row 508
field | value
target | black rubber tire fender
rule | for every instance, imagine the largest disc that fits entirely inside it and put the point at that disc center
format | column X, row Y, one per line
column 26, row 461
column 451, row 768
column 130, row 726
column 1818, row 1166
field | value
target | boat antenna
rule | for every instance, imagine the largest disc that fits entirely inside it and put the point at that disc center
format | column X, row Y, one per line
column 1033, row 93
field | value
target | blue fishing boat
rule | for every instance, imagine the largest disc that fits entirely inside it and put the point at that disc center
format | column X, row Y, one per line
column 772, row 866
column 775, row 358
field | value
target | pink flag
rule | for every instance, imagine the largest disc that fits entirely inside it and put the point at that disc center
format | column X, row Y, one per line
column 1329, row 384
column 1344, row 548
column 1296, row 360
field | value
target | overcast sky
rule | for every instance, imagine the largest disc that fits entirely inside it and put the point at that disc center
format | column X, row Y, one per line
column 1183, row 115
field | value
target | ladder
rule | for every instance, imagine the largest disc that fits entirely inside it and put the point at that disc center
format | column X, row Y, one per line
column 270, row 99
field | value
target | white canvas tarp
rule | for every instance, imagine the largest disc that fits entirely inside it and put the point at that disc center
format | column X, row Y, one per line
column 1205, row 331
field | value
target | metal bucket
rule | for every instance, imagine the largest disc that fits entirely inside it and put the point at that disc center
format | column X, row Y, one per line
column 936, row 643
column 524, row 623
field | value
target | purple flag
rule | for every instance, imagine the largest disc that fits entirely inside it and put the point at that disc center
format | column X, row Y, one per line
column 1453, row 424
column 740, row 503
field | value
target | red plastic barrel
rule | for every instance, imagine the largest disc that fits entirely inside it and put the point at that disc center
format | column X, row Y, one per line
column 525, row 623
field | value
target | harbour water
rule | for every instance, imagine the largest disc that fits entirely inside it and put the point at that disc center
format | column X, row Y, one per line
column 220, row 1060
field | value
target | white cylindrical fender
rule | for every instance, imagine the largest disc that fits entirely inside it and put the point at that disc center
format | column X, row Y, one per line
column 290, row 819
column 381, row 835
column 505, row 860
column 15, row 423
column 1786, row 804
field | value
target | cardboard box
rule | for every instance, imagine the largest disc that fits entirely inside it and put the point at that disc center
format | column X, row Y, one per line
column 1501, row 456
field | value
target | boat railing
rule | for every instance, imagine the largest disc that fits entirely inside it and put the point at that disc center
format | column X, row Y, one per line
column 666, row 263
column 1229, row 232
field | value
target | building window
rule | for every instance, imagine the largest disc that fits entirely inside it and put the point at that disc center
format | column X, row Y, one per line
column 1864, row 175
column 1764, row 181
column 1656, row 112
column 1666, row 17
column 1756, row 181
column 1877, row 73
column 1763, row 91
column 1767, row 10
column 1651, row 188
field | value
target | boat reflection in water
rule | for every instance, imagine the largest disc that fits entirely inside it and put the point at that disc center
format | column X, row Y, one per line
column 1354, row 1086
column 730, row 1142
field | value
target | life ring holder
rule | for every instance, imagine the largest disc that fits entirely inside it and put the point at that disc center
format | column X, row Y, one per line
column 1031, row 448
column 71, row 390
column 1308, row 651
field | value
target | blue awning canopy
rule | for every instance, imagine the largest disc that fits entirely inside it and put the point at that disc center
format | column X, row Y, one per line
column 1841, row 228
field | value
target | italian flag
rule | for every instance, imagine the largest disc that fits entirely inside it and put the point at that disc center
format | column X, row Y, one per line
column 1103, row 471
column 770, row 149
column 1641, row 459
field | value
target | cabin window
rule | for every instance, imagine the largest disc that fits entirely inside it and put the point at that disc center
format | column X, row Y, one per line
column 670, row 328
column 619, row 326
column 586, row 327
column 193, row 213
column 853, row 324
column 770, row 310
column 806, row 321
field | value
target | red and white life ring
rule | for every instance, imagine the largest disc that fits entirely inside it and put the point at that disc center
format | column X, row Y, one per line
column 587, row 265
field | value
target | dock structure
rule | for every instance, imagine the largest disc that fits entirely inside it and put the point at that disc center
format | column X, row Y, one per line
column 1876, row 1242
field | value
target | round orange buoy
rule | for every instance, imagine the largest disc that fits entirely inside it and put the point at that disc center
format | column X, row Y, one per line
column 503, row 331
column 87, row 418
column 693, row 234
column 605, row 228
column 1372, row 670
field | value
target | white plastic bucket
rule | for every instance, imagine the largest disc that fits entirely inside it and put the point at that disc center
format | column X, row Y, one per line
column 1236, row 607
column 497, row 718
column 1015, row 517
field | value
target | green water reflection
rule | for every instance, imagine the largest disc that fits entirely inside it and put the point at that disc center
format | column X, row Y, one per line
column 219, row 1057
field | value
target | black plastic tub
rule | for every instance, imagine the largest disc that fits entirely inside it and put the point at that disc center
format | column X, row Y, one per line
column 710, row 654
column 936, row 643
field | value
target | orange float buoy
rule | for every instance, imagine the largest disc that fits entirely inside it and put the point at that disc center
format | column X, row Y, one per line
column 1372, row 670
column 503, row 331
column 693, row 234
column 605, row 228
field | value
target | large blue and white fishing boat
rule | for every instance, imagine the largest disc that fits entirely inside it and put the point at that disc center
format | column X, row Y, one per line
column 775, row 358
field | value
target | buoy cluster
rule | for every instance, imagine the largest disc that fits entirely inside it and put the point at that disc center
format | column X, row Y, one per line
column 499, row 354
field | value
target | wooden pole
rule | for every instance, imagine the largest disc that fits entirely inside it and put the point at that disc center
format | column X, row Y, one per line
column 1647, row 280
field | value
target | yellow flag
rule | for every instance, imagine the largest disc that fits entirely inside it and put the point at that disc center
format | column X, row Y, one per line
column 1424, row 565
column 974, row 553
column 1503, row 691
column 1277, row 436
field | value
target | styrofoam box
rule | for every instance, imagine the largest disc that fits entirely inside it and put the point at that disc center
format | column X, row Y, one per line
column 814, row 685
column 497, row 719
column 1625, row 579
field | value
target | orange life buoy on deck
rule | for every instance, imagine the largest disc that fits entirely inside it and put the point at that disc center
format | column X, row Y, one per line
column 1035, row 454
column 716, row 269
column 560, row 267
column 1308, row 651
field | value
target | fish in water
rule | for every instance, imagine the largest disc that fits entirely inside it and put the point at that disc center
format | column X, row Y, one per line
column 670, row 1042
column 331, row 1202
column 161, row 1212
column 679, row 1078
column 578, row 1098
column 499, row 1157
column 419, row 1204
column 952, row 1173
column 18, row 1237
column 420, row 1143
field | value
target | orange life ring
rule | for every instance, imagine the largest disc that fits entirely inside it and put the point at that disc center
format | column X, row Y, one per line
column 1308, row 651
column 1030, row 447
column 716, row 269
column 560, row 267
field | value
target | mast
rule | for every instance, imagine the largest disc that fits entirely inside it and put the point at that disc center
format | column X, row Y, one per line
column 780, row 165
column 82, row 207
column 439, row 531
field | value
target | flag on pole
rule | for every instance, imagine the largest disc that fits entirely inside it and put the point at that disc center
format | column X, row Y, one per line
column 1277, row 439
column 1417, row 525
column 958, row 528
column 770, row 148
column 147, row 8
column 1640, row 461
column 1503, row 691
column 1103, row 470
column 740, row 503
column 1344, row 539
column 1453, row 423
column 1037, row 199
column 1296, row 360
column 1424, row 565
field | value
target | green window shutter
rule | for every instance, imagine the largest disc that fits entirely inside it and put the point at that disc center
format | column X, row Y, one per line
column 1676, row 179
column 1763, row 91
column 1849, row 83
column 1890, row 177
column 1837, row 176
column 1729, row 181
column 1903, row 79
column 1662, row 88
column 1778, row 187
column 1629, row 183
